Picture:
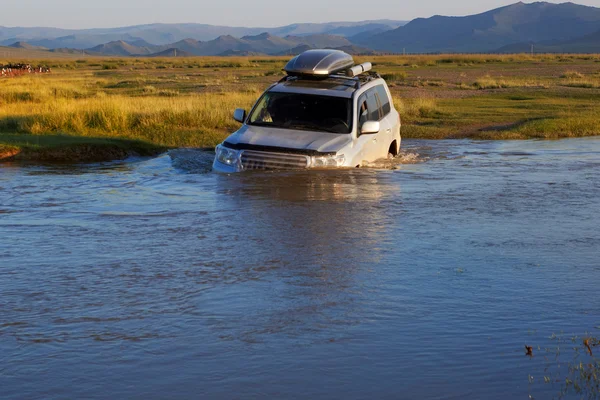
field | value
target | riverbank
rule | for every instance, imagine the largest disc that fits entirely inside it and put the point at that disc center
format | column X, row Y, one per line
column 102, row 108
column 57, row 148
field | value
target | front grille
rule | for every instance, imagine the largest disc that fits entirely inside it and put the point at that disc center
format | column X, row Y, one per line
column 264, row 160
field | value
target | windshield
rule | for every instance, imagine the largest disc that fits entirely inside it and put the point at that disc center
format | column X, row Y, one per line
column 303, row 112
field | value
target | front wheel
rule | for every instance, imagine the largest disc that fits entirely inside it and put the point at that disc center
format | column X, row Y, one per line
column 393, row 149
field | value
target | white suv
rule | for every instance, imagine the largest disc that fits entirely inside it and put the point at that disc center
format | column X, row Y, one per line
column 325, row 113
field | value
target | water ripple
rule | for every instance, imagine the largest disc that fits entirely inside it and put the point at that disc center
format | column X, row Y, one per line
column 401, row 278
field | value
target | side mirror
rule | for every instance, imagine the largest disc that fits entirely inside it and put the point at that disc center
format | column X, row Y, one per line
column 240, row 115
column 370, row 127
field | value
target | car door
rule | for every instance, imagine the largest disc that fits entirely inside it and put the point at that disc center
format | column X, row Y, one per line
column 388, row 122
column 368, row 110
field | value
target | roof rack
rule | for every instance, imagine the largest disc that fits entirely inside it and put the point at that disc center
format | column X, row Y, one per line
column 359, row 80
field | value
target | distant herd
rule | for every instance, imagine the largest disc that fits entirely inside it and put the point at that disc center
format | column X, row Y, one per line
column 12, row 70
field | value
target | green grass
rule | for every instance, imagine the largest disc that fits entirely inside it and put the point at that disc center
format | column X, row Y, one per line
column 395, row 77
column 541, row 115
column 488, row 82
column 71, row 148
column 572, row 75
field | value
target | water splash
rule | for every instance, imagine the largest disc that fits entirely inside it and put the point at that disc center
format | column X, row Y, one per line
column 392, row 163
column 194, row 161
column 200, row 161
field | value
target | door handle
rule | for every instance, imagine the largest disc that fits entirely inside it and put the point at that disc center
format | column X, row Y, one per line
column 388, row 131
column 375, row 140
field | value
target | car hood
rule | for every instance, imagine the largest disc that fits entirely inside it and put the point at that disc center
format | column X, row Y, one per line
column 323, row 142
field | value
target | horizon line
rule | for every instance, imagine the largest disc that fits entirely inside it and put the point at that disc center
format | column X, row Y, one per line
column 215, row 25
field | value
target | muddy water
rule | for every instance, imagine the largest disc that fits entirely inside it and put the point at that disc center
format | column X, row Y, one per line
column 155, row 279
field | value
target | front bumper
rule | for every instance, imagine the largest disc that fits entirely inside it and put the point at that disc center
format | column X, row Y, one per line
column 228, row 160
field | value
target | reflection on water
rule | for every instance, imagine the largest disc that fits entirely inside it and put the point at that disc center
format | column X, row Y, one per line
column 155, row 278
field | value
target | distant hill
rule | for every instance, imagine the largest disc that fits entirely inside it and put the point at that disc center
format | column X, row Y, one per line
column 262, row 44
column 240, row 53
column 320, row 41
column 357, row 50
column 26, row 46
column 188, row 45
column 81, row 41
column 363, row 36
column 350, row 49
column 585, row 44
column 65, row 50
column 122, row 48
column 295, row 50
column 172, row 52
column 492, row 30
column 222, row 44
column 164, row 34
column 334, row 28
column 266, row 43
column 13, row 52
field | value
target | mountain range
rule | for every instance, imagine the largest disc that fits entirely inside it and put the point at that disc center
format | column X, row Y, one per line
column 164, row 34
column 560, row 28
column 585, row 44
column 227, row 45
column 568, row 23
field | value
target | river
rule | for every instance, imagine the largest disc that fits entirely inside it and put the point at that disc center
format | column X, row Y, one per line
column 154, row 278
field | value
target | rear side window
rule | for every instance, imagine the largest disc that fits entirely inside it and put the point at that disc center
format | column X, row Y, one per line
column 373, row 106
column 368, row 108
column 386, row 107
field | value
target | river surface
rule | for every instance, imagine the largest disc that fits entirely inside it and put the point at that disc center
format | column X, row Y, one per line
column 154, row 278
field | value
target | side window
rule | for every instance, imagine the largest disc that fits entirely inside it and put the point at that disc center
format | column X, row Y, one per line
column 368, row 108
column 386, row 108
column 363, row 111
column 262, row 115
column 373, row 106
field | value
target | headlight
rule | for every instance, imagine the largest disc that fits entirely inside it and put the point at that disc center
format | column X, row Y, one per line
column 327, row 161
column 227, row 156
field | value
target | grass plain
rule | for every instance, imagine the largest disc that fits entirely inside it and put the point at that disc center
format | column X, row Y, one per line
column 94, row 108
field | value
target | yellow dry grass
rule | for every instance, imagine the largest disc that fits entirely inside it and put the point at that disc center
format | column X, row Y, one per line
column 37, row 106
column 189, row 101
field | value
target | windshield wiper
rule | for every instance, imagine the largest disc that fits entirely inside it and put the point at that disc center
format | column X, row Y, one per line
column 267, row 124
column 312, row 127
column 296, row 126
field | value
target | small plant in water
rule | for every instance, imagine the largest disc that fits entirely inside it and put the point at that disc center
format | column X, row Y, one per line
column 582, row 374
column 528, row 351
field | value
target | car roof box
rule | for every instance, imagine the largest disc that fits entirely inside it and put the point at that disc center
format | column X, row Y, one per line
column 319, row 63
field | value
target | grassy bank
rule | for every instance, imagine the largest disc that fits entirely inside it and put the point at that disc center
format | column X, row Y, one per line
column 190, row 120
column 60, row 148
column 504, row 116
column 188, row 102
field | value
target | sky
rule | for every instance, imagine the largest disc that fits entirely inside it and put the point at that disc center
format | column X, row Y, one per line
column 80, row 14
